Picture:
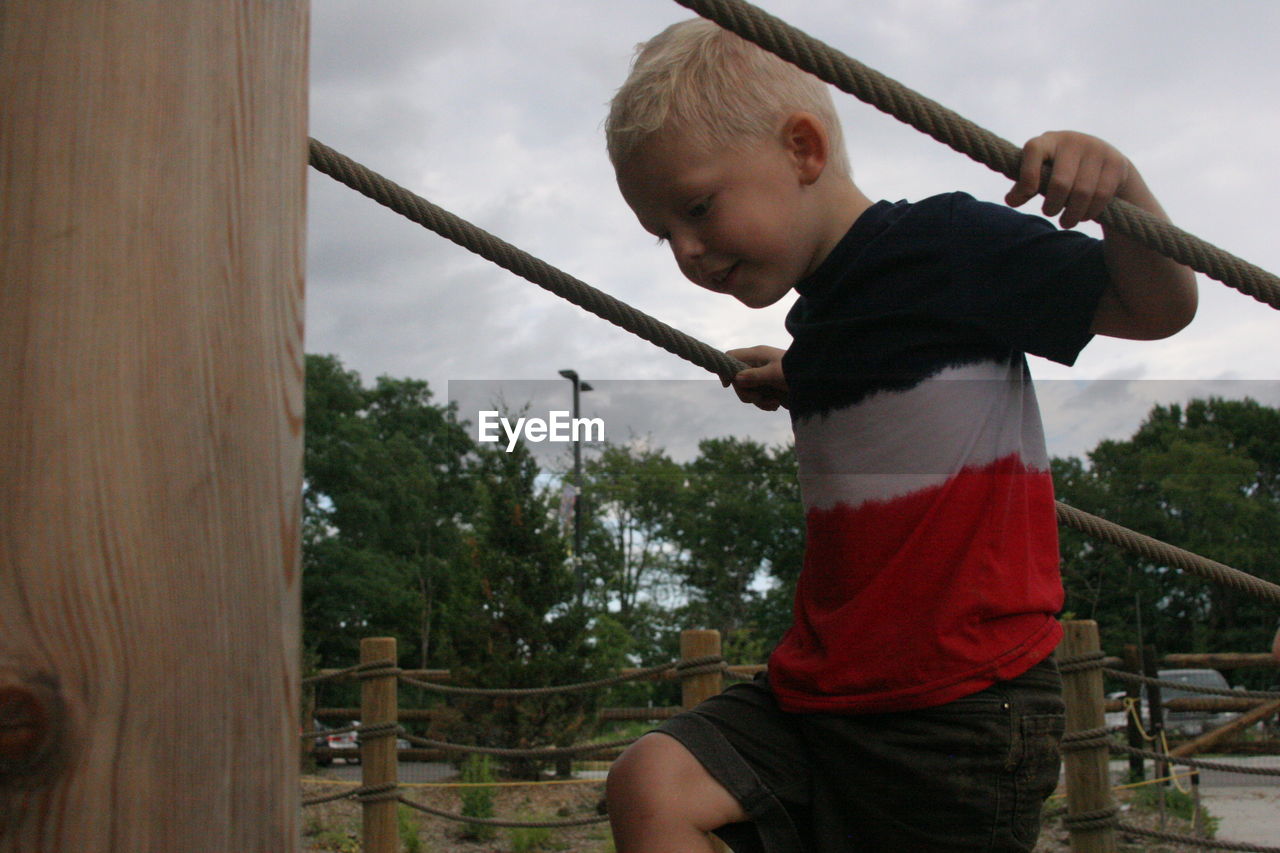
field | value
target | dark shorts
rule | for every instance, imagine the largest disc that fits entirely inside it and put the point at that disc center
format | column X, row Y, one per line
column 971, row 775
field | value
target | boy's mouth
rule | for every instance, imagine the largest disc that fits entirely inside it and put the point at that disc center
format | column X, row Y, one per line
column 722, row 280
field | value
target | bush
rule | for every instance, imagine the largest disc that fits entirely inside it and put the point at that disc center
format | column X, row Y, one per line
column 478, row 801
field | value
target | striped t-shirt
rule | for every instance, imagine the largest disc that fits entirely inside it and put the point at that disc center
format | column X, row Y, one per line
column 931, row 560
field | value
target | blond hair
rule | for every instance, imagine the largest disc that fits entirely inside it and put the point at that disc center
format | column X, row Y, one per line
column 717, row 87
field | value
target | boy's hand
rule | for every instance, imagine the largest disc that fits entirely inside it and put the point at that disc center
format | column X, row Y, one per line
column 1086, row 174
column 762, row 384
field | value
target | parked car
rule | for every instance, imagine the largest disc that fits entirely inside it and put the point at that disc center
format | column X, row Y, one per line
column 348, row 741
column 318, row 742
column 1193, row 722
column 1180, row 722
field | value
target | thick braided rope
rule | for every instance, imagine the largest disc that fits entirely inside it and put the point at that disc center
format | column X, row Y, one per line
column 975, row 142
column 1154, row 549
column 515, row 824
column 414, row 207
column 418, row 209
column 1210, row 843
column 508, row 752
column 1121, row 675
column 364, row 793
column 692, row 666
column 1095, row 819
column 1187, row 761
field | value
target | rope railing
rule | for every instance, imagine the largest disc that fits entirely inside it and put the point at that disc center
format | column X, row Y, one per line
column 698, row 664
column 977, row 143
column 1123, row 675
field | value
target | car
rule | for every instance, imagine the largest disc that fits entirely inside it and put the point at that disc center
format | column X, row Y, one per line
column 346, row 741
column 1193, row 722
column 320, row 741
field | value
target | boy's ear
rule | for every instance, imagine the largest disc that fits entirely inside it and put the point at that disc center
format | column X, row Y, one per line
column 805, row 139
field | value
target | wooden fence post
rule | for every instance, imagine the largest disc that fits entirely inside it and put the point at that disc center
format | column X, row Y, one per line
column 696, row 643
column 151, row 248
column 379, row 705
column 1088, row 774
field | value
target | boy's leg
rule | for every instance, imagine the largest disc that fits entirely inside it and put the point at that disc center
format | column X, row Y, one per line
column 735, row 764
column 662, row 799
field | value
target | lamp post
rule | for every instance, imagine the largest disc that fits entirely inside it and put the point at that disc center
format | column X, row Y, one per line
column 578, row 387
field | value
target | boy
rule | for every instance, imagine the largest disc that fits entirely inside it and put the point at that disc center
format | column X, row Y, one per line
column 912, row 705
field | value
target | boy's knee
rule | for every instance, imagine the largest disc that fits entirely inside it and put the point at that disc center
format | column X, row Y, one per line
column 657, row 776
column 643, row 769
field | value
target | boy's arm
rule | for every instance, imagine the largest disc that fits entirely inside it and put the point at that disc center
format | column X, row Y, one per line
column 1150, row 296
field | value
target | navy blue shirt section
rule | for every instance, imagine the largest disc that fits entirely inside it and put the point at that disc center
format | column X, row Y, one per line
column 914, row 288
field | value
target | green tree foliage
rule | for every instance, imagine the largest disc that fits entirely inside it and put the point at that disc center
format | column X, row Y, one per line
column 527, row 630
column 1205, row 477
column 629, row 559
column 387, row 483
column 740, row 527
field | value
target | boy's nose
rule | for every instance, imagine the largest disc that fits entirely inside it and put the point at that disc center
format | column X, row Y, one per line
column 687, row 248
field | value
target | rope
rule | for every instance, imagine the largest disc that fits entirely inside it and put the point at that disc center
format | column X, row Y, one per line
column 358, row 669
column 1085, row 739
column 541, row 752
column 549, row 824
column 364, row 793
column 1170, row 555
column 397, row 198
column 1096, row 819
column 1198, row 762
column 690, row 667
column 975, row 142
column 1195, row 841
column 1121, row 675
column 1081, row 663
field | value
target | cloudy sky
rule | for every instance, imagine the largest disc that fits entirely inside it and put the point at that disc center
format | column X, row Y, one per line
column 493, row 109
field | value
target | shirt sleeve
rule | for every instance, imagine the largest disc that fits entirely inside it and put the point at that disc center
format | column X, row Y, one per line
column 1023, row 281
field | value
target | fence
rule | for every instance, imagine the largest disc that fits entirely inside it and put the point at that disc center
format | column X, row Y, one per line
column 1087, row 746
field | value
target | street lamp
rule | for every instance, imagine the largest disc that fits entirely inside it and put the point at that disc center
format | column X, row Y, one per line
column 578, row 387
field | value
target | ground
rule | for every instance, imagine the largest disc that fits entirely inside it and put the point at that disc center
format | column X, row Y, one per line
column 336, row 826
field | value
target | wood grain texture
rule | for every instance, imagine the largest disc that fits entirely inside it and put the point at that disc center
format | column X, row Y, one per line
column 1087, row 771
column 152, row 179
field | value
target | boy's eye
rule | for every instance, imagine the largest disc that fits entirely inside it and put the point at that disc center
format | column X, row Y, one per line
column 699, row 209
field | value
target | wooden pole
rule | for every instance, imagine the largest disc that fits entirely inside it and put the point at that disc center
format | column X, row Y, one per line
column 378, row 705
column 1211, row 739
column 1132, row 718
column 1088, row 778
column 696, row 643
column 152, row 183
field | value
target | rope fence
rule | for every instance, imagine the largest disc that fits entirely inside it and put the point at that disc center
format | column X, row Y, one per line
column 703, row 672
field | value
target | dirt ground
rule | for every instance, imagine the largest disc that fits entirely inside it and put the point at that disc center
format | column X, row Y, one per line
column 336, row 826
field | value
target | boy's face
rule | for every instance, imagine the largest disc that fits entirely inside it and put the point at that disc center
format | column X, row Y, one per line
column 737, row 221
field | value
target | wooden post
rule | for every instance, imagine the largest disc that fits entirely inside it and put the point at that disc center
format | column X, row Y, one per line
column 1133, row 734
column 378, row 704
column 696, row 643
column 1088, row 777
column 151, row 246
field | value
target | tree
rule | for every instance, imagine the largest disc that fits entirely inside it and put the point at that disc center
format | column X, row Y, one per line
column 740, row 527
column 527, row 630
column 1206, row 478
column 387, row 493
column 628, row 553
